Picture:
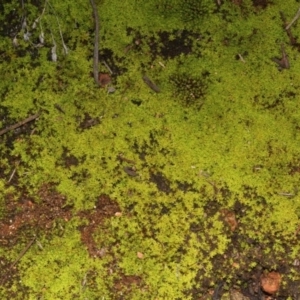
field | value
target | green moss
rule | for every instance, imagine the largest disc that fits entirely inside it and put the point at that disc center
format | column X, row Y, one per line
column 62, row 269
column 222, row 134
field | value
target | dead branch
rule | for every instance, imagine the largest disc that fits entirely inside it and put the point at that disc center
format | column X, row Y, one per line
column 96, row 45
column 287, row 29
column 22, row 253
column 17, row 163
column 152, row 85
column 19, row 124
column 107, row 67
column 13, row 172
column 297, row 16
column 283, row 62
column 3, row 277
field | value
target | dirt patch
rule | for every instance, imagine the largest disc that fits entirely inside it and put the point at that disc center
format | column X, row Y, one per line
column 105, row 208
column 24, row 220
column 27, row 214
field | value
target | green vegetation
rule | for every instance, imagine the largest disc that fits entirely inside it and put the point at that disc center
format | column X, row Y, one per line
column 221, row 136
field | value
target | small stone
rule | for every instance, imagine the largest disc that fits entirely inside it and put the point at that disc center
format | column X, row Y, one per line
column 270, row 282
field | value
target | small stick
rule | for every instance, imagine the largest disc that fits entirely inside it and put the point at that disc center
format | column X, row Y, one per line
column 83, row 283
column 288, row 30
column 151, row 85
column 241, row 58
column 19, row 124
column 130, row 171
column 218, row 291
column 18, row 162
column 66, row 50
column 297, row 16
column 59, row 108
column 107, row 66
column 23, row 252
column 39, row 244
column 282, row 63
column 161, row 64
column 3, row 278
column 96, row 43
column 286, row 194
column 122, row 158
column 14, row 171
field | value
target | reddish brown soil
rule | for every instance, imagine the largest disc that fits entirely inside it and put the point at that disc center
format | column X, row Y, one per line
column 27, row 216
column 105, row 208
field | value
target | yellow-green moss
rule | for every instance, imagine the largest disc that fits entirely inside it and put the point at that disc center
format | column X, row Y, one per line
column 240, row 146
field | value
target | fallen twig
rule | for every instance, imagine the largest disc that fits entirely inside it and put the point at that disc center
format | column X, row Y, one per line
column 152, row 85
column 13, row 172
column 122, row 158
column 107, row 67
column 17, row 164
column 161, row 64
column 23, row 252
column 218, row 291
column 59, row 108
column 287, row 29
column 19, row 124
column 286, row 194
column 282, row 63
column 66, row 50
column 4, row 277
column 96, row 44
column 297, row 16
column 241, row 58
column 130, row 171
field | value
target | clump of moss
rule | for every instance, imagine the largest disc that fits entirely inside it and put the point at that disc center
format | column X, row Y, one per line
column 195, row 11
column 190, row 89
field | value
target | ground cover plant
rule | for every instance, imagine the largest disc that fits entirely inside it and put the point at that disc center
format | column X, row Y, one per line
column 177, row 177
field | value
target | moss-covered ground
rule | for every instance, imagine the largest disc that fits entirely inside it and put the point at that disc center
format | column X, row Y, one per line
column 138, row 194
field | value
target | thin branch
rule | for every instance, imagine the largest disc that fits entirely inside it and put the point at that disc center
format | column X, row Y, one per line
column 18, row 162
column 19, row 124
column 288, row 30
column 3, row 277
column 38, row 19
column 60, row 32
column 286, row 194
column 282, row 63
column 151, row 85
column 107, row 67
column 13, row 172
column 241, row 57
column 23, row 252
column 297, row 16
column 161, row 64
column 96, row 44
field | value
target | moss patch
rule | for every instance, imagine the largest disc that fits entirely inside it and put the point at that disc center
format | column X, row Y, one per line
column 142, row 195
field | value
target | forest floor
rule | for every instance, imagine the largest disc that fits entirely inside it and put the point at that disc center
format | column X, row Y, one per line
column 25, row 220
